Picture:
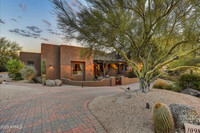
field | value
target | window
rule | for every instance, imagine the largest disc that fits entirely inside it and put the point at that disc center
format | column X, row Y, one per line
column 31, row 63
column 77, row 68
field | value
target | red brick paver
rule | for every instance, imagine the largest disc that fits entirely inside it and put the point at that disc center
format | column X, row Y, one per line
column 60, row 110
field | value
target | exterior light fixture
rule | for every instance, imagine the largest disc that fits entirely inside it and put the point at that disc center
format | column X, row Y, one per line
column 51, row 67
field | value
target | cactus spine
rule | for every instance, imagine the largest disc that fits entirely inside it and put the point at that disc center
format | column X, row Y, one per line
column 43, row 71
column 163, row 119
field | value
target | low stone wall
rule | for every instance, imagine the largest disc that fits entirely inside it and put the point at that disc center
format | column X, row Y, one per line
column 103, row 82
column 126, row 80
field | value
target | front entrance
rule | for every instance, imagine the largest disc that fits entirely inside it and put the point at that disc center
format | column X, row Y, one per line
column 78, row 71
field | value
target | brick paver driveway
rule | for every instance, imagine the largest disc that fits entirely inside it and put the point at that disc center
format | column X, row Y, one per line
column 61, row 109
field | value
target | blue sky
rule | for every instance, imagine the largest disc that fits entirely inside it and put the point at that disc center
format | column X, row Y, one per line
column 30, row 23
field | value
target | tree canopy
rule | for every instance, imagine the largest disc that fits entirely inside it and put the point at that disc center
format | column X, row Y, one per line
column 153, row 32
column 8, row 50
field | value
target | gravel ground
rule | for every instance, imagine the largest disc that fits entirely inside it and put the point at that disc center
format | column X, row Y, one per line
column 120, row 114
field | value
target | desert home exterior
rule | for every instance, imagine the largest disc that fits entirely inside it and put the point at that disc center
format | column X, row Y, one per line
column 64, row 61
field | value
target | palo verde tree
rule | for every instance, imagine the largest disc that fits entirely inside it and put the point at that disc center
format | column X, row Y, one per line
column 152, row 32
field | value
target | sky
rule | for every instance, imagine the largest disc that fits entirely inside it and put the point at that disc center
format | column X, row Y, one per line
column 30, row 23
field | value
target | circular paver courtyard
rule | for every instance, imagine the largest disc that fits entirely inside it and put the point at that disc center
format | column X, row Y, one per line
column 59, row 109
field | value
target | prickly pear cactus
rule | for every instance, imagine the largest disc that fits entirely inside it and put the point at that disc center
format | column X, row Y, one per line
column 163, row 119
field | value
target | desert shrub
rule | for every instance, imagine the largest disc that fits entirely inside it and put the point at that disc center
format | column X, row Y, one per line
column 163, row 85
column 28, row 72
column 168, row 77
column 14, row 67
column 189, row 81
column 160, row 84
column 168, row 87
column 174, row 73
column 131, row 74
column 192, row 71
column 35, row 80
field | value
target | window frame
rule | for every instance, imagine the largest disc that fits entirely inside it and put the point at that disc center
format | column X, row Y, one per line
column 77, row 63
column 31, row 63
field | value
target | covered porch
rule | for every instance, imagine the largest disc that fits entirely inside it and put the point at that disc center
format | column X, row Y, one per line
column 110, row 68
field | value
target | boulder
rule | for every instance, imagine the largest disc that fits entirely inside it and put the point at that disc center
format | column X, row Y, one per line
column 183, row 114
column 50, row 83
column 192, row 92
column 58, row 82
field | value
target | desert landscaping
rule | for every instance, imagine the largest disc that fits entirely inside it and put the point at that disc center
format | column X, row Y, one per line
column 100, row 66
column 121, row 114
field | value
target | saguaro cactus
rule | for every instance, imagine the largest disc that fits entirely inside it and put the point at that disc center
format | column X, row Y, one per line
column 163, row 120
column 43, row 71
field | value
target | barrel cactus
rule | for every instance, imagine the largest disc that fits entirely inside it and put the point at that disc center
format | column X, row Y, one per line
column 163, row 119
column 43, row 71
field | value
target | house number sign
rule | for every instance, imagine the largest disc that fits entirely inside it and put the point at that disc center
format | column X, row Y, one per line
column 189, row 128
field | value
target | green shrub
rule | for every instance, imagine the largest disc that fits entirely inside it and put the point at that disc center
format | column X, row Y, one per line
column 18, row 76
column 28, row 72
column 174, row 73
column 14, row 67
column 167, row 87
column 131, row 74
column 163, row 85
column 35, row 80
column 168, row 77
column 189, row 81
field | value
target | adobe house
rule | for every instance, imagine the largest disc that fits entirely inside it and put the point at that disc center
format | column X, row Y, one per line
column 64, row 61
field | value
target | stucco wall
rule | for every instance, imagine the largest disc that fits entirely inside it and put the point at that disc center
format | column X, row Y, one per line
column 71, row 54
column 35, row 57
column 52, row 55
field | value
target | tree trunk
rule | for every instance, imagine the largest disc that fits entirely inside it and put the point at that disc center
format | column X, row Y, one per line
column 144, row 85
